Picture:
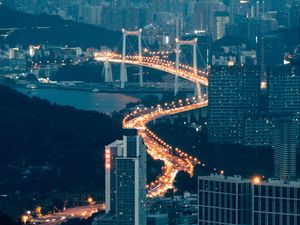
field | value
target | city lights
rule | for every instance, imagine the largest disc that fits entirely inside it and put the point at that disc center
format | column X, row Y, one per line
column 175, row 159
column 24, row 219
column 256, row 180
column 90, row 200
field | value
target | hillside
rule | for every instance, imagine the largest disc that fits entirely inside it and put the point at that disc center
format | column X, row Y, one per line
column 52, row 30
column 45, row 147
column 53, row 154
column 11, row 18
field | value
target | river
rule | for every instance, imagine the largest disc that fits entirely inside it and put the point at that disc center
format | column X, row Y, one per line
column 101, row 102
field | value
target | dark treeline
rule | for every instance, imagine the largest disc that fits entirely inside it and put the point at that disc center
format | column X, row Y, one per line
column 45, row 147
column 51, row 154
column 233, row 159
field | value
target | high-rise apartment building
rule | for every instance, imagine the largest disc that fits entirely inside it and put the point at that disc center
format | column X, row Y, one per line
column 233, row 91
column 284, row 88
column 221, row 19
column 204, row 14
column 125, row 182
column 285, row 148
column 259, row 129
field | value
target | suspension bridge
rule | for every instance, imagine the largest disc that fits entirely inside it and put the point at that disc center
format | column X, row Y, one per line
column 175, row 160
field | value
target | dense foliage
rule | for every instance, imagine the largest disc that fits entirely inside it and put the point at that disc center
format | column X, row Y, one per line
column 233, row 159
column 7, row 220
column 90, row 73
column 53, row 155
column 46, row 147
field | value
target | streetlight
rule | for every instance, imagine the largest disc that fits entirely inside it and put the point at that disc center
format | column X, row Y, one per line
column 90, row 200
column 24, row 219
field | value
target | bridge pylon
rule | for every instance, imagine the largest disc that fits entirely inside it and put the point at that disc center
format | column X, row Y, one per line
column 193, row 43
column 107, row 72
column 123, row 71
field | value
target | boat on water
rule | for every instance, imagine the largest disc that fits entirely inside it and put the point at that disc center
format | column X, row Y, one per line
column 95, row 90
column 31, row 86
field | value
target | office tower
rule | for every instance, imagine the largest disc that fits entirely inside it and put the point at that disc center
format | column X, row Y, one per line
column 233, row 91
column 125, row 182
column 221, row 19
column 276, row 202
column 224, row 200
column 285, row 147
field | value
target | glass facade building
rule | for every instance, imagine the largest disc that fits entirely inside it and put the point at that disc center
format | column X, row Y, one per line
column 125, row 182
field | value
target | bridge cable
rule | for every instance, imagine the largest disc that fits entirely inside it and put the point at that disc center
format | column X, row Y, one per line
column 201, row 57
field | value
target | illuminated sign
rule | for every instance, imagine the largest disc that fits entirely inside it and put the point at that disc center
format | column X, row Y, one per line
column 107, row 159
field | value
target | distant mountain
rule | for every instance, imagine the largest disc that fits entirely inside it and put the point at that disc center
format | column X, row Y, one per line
column 10, row 18
column 52, row 30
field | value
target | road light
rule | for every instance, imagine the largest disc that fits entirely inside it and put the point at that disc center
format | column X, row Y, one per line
column 90, row 200
column 24, row 219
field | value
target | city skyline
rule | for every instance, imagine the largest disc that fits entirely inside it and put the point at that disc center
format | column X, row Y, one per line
column 160, row 112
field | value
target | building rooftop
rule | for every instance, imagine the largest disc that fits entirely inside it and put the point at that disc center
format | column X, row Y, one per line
column 220, row 177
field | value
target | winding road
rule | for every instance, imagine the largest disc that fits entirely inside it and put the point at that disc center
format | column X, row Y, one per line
column 174, row 159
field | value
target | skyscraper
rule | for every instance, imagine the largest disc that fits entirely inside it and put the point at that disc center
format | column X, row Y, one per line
column 232, row 92
column 285, row 147
column 221, row 19
column 125, row 182
column 204, row 14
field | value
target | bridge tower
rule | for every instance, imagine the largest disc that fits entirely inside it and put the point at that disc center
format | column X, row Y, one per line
column 123, row 71
column 107, row 72
column 193, row 43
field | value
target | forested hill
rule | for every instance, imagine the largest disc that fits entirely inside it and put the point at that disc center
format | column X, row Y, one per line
column 52, row 30
column 10, row 18
column 46, row 147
